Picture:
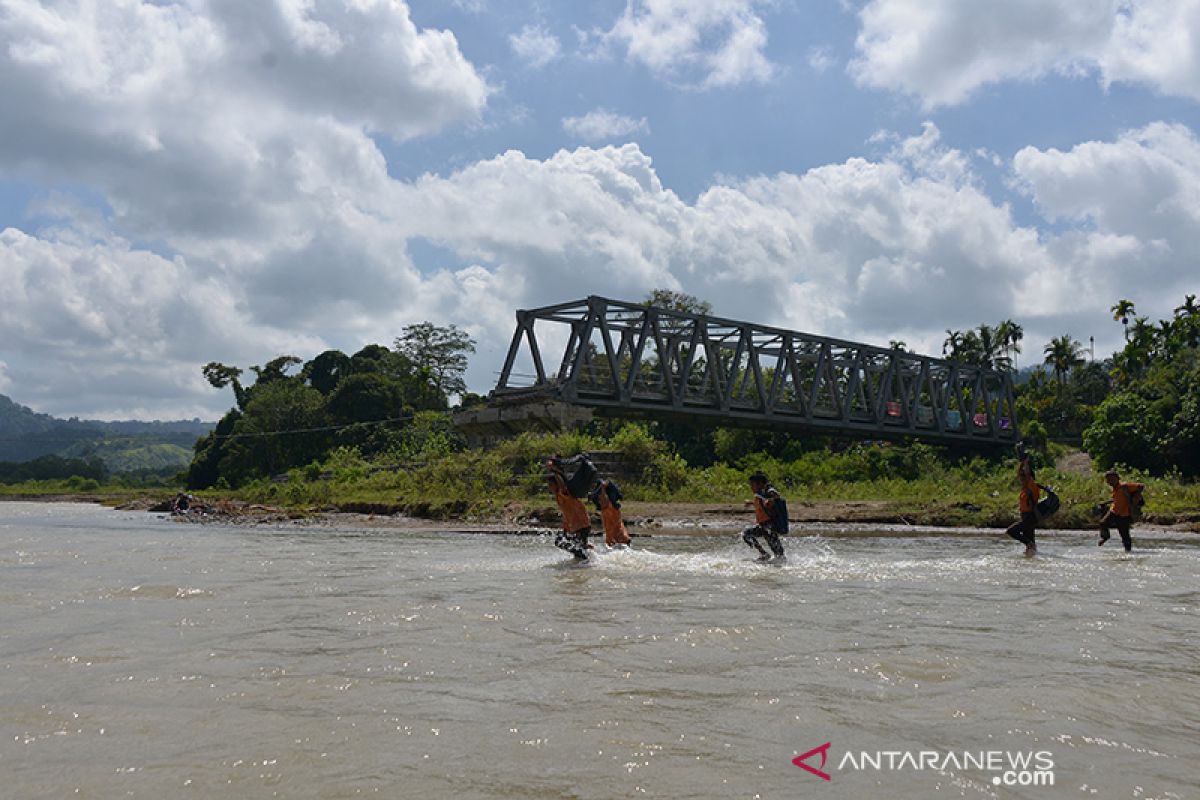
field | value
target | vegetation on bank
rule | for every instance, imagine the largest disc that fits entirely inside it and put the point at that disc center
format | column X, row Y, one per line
column 913, row 483
column 372, row 431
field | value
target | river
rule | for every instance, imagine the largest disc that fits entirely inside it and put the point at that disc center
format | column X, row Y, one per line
column 140, row 657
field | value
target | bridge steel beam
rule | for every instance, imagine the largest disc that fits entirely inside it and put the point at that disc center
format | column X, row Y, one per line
column 628, row 359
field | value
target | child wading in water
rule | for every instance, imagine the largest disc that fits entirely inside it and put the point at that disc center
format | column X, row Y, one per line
column 767, row 505
column 1126, row 501
column 577, row 525
column 1023, row 530
column 607, row 498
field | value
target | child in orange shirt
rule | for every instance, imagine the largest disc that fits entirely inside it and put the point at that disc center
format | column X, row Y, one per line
column 607, row 498
column 1023, row 530
column 577, row 524
column 1120, row 514
column 765, row 498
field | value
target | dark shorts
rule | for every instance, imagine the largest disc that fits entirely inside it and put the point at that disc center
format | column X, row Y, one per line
column 1023, row 530
column 751, row 536
column 1122, row 524
column 574, row 542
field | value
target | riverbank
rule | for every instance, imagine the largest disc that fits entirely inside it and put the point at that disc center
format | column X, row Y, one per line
column 643, row 518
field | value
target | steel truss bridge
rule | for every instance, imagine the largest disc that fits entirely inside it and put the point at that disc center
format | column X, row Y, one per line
column 627, row 359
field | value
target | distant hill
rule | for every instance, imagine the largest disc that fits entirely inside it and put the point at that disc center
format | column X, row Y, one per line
column 125, row 447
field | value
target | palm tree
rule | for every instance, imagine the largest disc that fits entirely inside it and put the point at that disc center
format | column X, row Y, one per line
column 991, row 347
column 1122, row 310
column 1143, row 332
column 1189, row 307
column 1010, row 334
column 953, row 343
column 1063, row 353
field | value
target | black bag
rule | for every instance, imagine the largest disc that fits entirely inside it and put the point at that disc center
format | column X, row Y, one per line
column 612, row 490
column 580, row 480
column 1048, row 504
column 779, row 515
column 1136, row 502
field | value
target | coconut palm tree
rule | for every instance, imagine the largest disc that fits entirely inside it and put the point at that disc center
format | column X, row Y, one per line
column 991, row 348
column 953, row 343
column 1010, row 334
column 1063, row 354
column 1122, row 310
column 1189, row 307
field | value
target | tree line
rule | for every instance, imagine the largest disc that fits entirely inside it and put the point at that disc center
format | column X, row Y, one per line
column 295, row 412
column 1140, row 407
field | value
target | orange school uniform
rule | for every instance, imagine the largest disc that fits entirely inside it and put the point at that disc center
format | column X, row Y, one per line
column 575, row 514
column 762, row 514
column 1030, row 494
column 614, row 526
column 1121, row 493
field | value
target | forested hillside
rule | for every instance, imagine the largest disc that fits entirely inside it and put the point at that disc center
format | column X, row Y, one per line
column 124, row 447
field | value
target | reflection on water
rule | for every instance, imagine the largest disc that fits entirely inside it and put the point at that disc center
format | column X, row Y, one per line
column 142, row 658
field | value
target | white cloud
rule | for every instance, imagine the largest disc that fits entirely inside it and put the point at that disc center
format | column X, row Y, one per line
column 1138, row 199
column 943, row 50
column 250, row 107
column 278, row 228
column 535, row 45
column 899, row 247
column 820, row 58
column 117, row 330
column 601, row 124
column 708, row 43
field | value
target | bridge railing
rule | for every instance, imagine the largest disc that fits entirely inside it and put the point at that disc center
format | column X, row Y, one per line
column 626, row 358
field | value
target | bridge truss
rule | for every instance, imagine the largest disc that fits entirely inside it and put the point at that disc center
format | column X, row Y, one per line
column 626, row 359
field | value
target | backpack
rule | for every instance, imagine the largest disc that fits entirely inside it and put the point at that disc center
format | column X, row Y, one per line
column 1136, row 501
column 779, row 515
column 1048, row 504
column 580, row 481
column 613, row 492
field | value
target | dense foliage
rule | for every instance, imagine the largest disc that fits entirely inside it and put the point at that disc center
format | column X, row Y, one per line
column 1151, row 418
column 296, row 412
column 51, row 468
column 125, row 447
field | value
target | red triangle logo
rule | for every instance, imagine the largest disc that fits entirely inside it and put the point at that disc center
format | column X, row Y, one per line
column 800, row 759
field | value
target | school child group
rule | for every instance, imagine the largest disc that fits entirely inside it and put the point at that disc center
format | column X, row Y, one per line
column 770, row 509
column 1120, row 512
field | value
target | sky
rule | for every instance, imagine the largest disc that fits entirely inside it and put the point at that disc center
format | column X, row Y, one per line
column 222, row 180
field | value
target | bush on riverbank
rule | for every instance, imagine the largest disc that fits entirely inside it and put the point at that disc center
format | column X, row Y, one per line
column 912, row 482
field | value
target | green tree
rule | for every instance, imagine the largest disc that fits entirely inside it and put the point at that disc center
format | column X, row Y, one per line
column 1124, row 431
column 367, row 397
column 1063, row 354
column 1122, row 310
column 221, row 375
column 678, row 301
column 326, row 371
column 274, row 434
column 275, row 370
column 1010, row 335
column 442, row 351
column 986, row 347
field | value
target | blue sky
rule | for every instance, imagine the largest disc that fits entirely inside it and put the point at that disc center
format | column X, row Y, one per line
column 210, row 180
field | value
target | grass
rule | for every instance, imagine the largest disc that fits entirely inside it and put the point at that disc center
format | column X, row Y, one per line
column 911, row 483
